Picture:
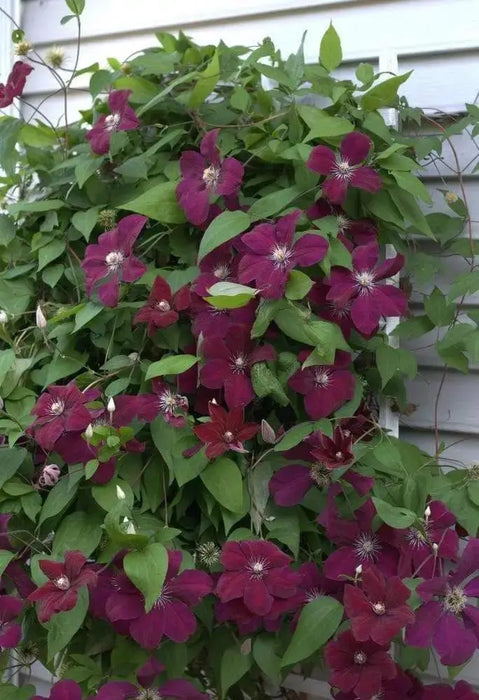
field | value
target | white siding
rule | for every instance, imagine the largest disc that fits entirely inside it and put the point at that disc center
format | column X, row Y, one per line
column 439, row 39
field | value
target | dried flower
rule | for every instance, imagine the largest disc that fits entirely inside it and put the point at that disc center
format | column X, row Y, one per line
column 23, row 48
column 55, row 56
column 49, row 476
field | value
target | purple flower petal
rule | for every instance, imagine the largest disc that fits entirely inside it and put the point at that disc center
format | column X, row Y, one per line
column 290, row 484
column 366, row 179
column 355, row 147
column 335, row 189
column 322, row 160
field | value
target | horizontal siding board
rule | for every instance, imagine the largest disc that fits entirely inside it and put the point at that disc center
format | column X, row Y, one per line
column 367, row 27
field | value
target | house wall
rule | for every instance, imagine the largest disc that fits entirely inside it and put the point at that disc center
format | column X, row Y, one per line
column 439, row 39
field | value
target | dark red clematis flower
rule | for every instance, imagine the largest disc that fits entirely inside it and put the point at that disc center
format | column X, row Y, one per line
column 404, row 686
column 378, row 610
column 10, row 631
column 358, row 543
column 122, row 690
column 362, row 287
column 329, row 309
column 60, row 593
column 110, row 262
column 360, row 667
column 325, row 387
column 347, row 170
column 59, row 411
column 447, row 620
column 217, row 266
column 172, row 406
column 63, row 690
column 258, row 573
column 289, row 485
column 228, row 362
column 351, row 232
column 205, row 174
column 440, row 691
column 171, row 615
column 163, row 307
column 122, row 118
column 247, row 621
column 313, row 585
column 225, row 431
column 336, row 451
column 271, row 252
column 216, row 322
column 418, row 556
column 15, row 83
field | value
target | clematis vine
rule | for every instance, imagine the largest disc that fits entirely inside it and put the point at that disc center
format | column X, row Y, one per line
column 121, row 118
column 122, row 690
column 347, row 170
column 110, row 262
column 204, row 175
column 59, row 411
column 63, row 690
column 271, row 253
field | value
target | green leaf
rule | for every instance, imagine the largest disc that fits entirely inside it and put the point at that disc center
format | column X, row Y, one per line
column 39, row 206
column 294, row 436
column 384, row 94
column 5, row 559
column 438, row 309
column 9, row 132
column 410, row 210
column 13, row 692
column 7, row 230
column 233, row 667
column 11, row 459
column 76, row 6
column 116, row 491
column 146, row 569
column 391, row 360
column 273, row 203
column 264, row 653
column 397, row 517
column 413, row 185
column 53, row 274
column 64, row 625
column 266, row 384
column 222, row 229
column 7, row 360
column 121, row 529
column 330, row 53
column 158, row 203
column 205, row 82
column 467, row 283
column 59, row 497
column 86, row 314
column 79, row 530
column 85, row 221
column 298, row 285
column 318, row 621
column 229, row 295
column 171, row 442
column 172, row 364
column 49, row 252
column 223, row 480
column 322, row 125
column 413, row 327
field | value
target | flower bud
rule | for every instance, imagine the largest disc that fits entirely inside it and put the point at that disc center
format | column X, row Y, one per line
column 435, row 548
column 451, row 197
column 358, row 570
column 427, row 513
column 110, row 407
column 3, row 317
column 40, row 319
column 89, row 432
column 49, row 476
column 134, row 357
column 267, row 432
column 245, row 648
column 125, row 68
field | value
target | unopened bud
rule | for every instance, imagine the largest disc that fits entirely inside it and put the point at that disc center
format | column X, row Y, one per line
column 89, row 432
column 427, row 513
column 110, row 407
column 245, row 648
column 120, row 494
column 49, row 476
column 451, row 197
column 125, row 68
column 134, row 357
column 358, row 570
column 40, row 319
column 129, row 526
column 267, row 432
column 435, row 548
column 3, row 317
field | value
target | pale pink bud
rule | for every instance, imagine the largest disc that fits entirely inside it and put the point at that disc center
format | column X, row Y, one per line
column 427, row 513
column 49, row 476
column 89, row 432
column 267, row 432
column 359, row 570
column 40, row 319
column 110, row 407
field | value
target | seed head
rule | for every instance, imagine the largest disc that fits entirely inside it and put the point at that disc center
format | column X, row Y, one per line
column 107, row 219
column 23, row 48
column 451, row 197
column 55, row 56
column 208, row 554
